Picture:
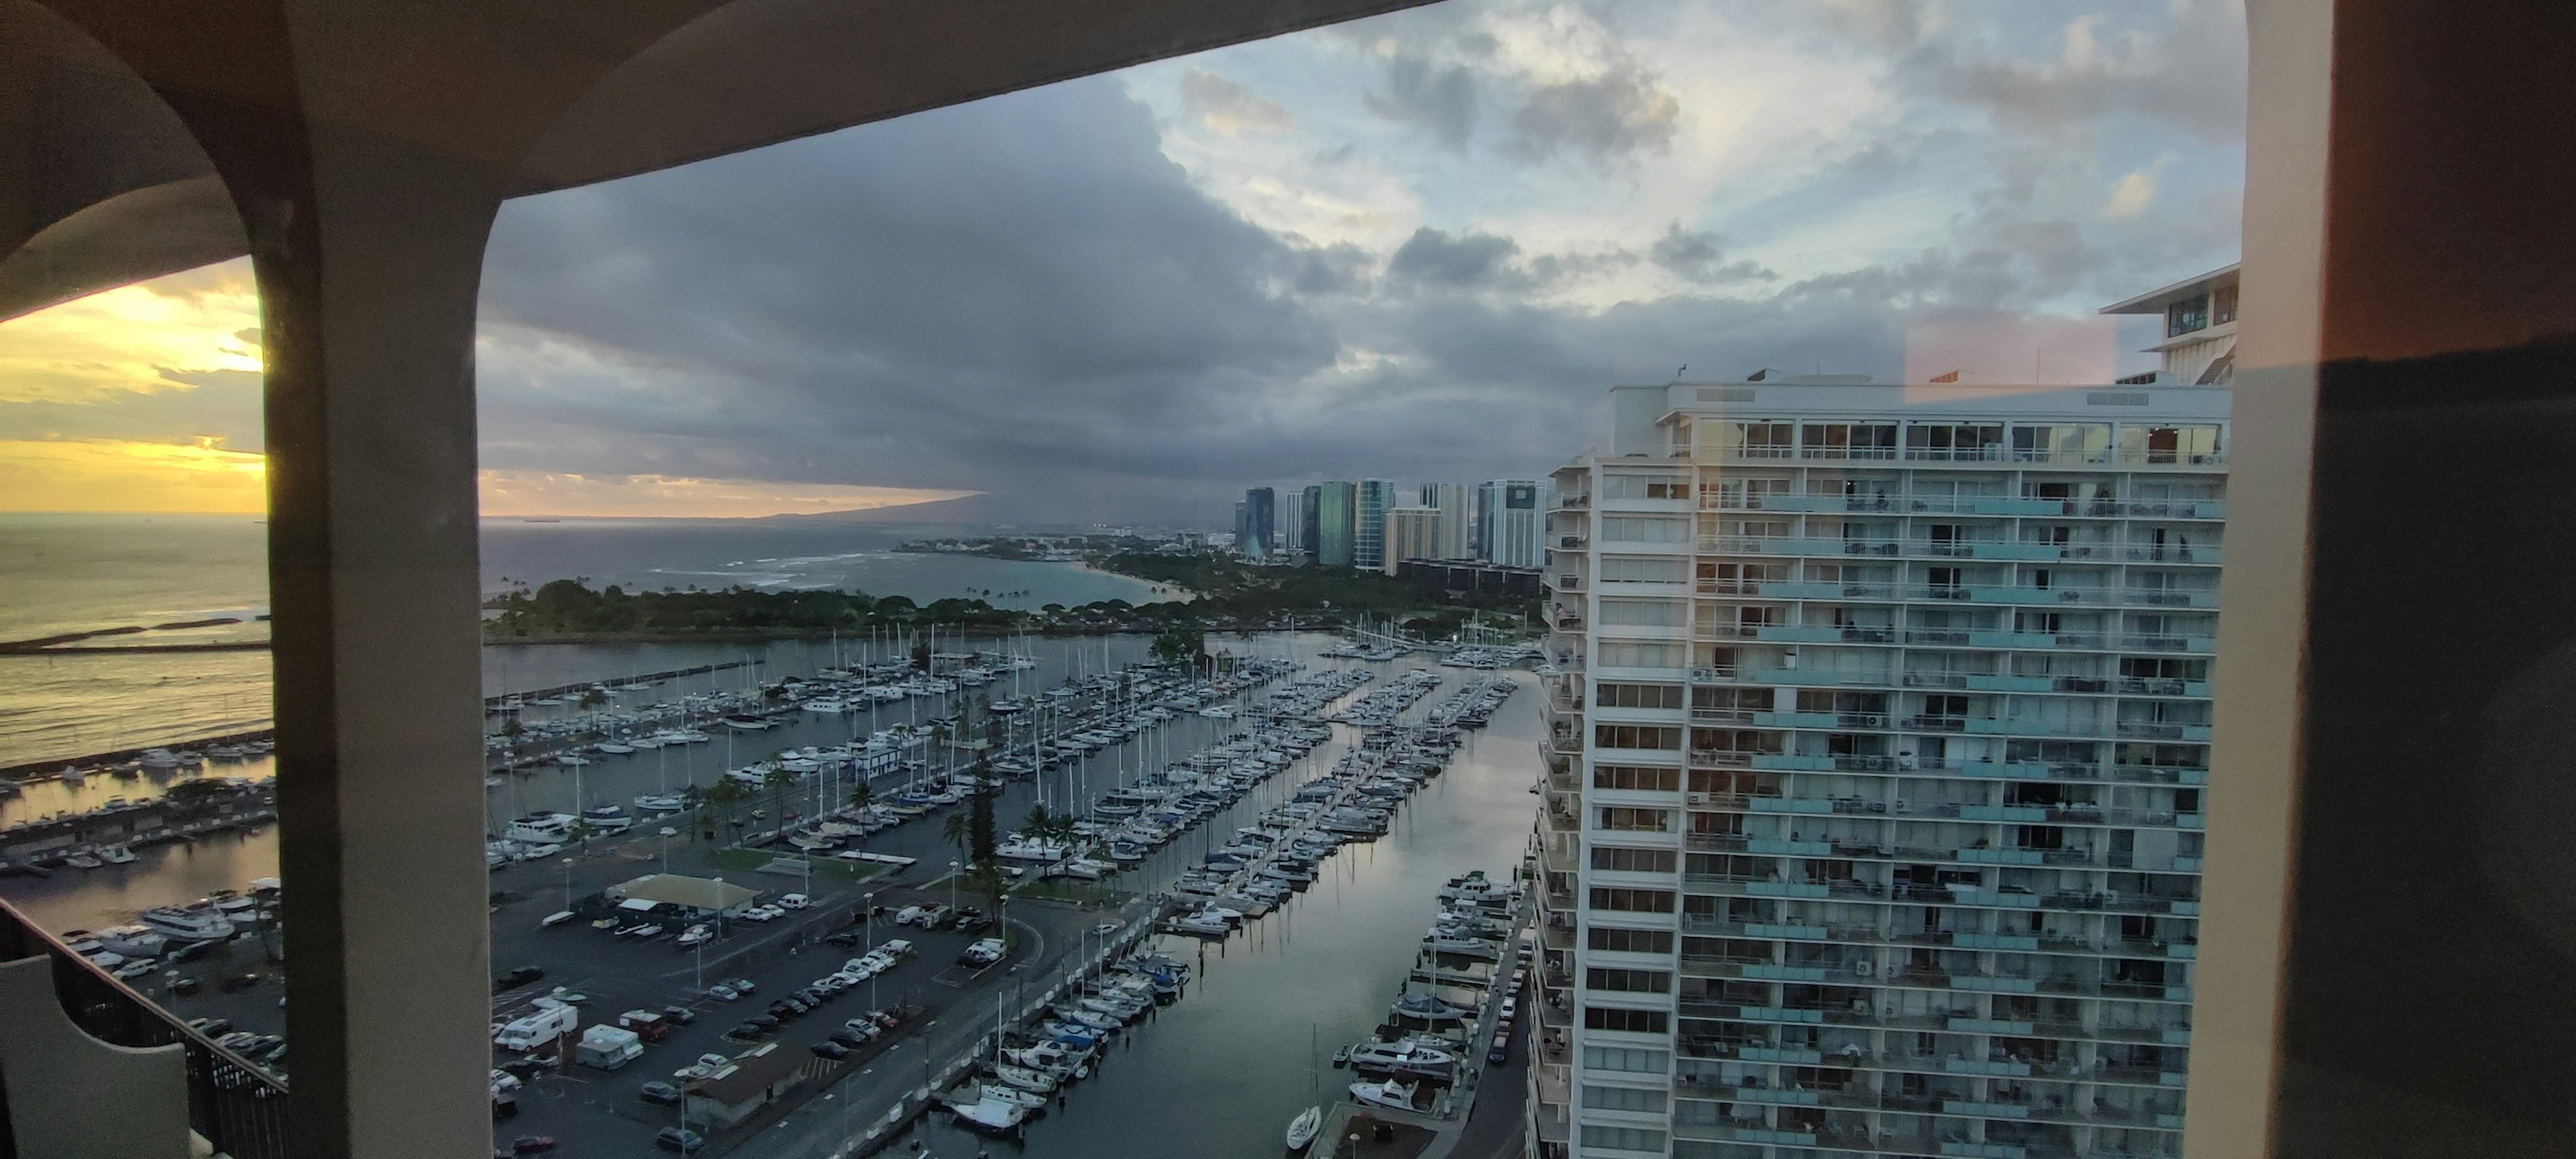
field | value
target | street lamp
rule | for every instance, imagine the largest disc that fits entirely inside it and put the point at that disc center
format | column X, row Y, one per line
column 952, row 887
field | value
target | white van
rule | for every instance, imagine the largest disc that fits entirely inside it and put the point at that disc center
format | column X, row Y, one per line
column 908, row 915
column 605, row 1047
column 897, row 948
column 550, row 1021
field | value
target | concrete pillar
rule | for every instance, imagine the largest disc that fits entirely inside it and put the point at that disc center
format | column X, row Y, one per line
column 368, row 283
column 2388, row 915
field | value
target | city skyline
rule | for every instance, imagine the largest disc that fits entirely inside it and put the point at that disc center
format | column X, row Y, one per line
column 1415, row 246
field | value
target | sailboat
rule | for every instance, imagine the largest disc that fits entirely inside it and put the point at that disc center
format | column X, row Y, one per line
column 1303, row 1128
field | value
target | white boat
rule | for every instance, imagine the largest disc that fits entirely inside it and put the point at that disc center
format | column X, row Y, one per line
column 1428, row 1008
column 83, row 861
column 1391, row 1093
column 991, row 1115
column 1002, row 1093
column 660, row 803
column 1024, row 1078
column 1302, row 1129
column 190, row 924
column 116, row 855
column 133, row 941
column 1404, row 1056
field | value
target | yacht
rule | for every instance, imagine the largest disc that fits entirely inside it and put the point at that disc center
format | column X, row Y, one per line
column 1404, row 1056
column 189, row 924
column 83, row 860
column 660, row 803
column 1391, row 1093
column 830, row 704
column 116, row 855
column 133, row 941
column 992, row 1115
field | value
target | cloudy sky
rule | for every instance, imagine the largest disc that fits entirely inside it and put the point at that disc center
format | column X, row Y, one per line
column 1415, row 247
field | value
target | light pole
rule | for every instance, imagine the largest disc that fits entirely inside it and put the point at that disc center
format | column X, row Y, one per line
column 952, row 887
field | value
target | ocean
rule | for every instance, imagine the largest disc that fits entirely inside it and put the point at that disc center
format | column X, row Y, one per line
column 70, row 573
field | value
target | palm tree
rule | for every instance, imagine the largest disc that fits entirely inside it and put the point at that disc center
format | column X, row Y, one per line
column 957, row 830
column 724, row 795
column 777, row 782
column 863, row 794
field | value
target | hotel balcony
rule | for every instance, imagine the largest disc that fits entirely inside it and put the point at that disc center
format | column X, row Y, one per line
column 75, row 1042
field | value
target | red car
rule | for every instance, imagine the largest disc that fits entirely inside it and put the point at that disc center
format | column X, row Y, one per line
column 531, row 1144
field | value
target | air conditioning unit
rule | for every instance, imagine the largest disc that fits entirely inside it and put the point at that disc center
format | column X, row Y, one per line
column 1699, row 798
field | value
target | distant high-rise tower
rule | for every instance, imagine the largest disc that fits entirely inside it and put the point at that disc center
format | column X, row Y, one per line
column 1411, row 533
column 1369, row 546
column 1336, row 523
column 1310, row 509
column 1242, row 529
column 1450, row 499
column 1288, row 534
column 1252, row 530
column 1511, row 526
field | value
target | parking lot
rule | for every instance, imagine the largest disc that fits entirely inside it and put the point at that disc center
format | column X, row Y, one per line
column 601, row 1113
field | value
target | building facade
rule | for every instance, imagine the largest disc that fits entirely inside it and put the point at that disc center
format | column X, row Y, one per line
column 1875, row 770
column 1412, row 533
column 1511, row 522
column 1368, row 548
column 1450, row 499
column 1255, row 522
column 1336, row 523
column 1310, row 506
column 1289, row 536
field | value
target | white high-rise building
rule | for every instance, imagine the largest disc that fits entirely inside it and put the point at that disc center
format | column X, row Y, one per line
column 1451, row 501
column 1288, row 537
column 1412, row 533
column 1873, row 791
column 1511, row 522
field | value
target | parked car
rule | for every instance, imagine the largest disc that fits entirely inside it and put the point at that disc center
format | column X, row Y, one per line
column 743, row 985
column 783, row 1010
column 984, row 952
column 722, row 992
column 679, row 1139
column 796, row 901
column 849, row 1038
column 659, row 1094
column 517, row 978
column 865, row 1027
column 680, row 1014
column 526, row 1068
column 749, row 1031
column 531, row 1144
column 693, row 936
column 829, row 1049
column 767, row 1022
column 211, row 1027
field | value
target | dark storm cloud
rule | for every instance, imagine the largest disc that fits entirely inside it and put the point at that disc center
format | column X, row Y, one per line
column 1441, row 100
column 1025, row 297
column 1699, row 256
column 1601, row 120
column 1471, row 261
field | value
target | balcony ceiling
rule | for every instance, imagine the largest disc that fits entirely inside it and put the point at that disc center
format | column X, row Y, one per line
column 102, row 183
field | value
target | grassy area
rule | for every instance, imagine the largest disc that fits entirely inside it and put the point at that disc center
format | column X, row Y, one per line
column 1085, row 892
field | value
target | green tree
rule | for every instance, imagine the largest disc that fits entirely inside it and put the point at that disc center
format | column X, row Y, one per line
column 592, row 698
column 980, row 827
column 921, row 656
column 959, row 831
column 863, row 794
column 1182, row 644
column 723, row 796
column 778, row 781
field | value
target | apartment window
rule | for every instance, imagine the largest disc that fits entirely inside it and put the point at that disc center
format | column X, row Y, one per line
column 1850, row 441
column 1630, row 981
column 2178, row 444
column 1758, row 440
column 1622, row 1099
column 1734, row 740
column 1638, row 695
column 2222, row 305
column 1965, row 442
column 1645, row 529
column 2187, row 316
column 1627, row 941
column 1750, row 494
column 1744, row 579
column 1638, row 569
column 1626, row 1059
column 2069, row 443
column 1640, row 654
column 1623, row 1019
column 1636, row 778
column 1635, row 901
column 1636, row 736
column 1645, row 487
column 1619, row 859
column 1623, row 819
column 1645, row 613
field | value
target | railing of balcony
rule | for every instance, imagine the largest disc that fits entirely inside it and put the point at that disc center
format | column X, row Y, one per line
column 234, row 1105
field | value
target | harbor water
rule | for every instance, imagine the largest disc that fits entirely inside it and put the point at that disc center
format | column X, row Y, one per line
column 80, row 573
column 1223, row 1070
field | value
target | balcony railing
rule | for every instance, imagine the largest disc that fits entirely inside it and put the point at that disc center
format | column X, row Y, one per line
column 235, row 1106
